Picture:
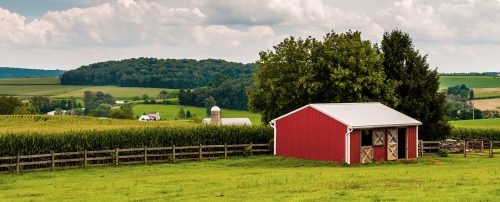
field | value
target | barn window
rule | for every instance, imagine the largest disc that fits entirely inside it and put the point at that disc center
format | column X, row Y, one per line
column 366, row 138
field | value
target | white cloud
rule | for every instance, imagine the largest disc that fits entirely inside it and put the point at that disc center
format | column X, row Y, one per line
column 449, row 30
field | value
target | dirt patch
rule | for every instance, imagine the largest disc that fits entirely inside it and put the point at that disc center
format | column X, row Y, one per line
column 485, row 104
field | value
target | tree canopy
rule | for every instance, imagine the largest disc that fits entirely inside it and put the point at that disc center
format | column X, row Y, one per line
column 160, row 73
column 418, row 89
column 339, row 68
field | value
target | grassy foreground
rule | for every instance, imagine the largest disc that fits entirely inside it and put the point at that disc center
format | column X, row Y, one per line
column 265, row 178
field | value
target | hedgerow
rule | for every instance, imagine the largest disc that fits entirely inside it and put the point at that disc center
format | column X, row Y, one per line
column 475, row 133
column 38, row 143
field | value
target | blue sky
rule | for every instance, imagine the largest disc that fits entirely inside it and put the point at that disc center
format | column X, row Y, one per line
column 457, row 35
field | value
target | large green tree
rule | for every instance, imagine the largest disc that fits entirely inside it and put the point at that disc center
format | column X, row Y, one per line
column 339, row 68
column 9, row 104
column 418, row 89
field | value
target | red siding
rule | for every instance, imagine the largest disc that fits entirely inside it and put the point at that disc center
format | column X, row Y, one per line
column 355, row 147
column 412, row 142
column 380, row 152
column 310, row 134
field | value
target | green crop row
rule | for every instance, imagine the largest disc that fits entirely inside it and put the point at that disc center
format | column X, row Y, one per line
column 475, row 133
column 39, row 143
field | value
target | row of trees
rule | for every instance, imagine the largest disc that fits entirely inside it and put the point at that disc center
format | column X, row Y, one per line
column 223, row 91
column 346, row 68
column 160, row 73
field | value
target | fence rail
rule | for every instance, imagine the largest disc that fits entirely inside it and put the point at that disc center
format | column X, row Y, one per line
column 467, row 147
column 128, row 156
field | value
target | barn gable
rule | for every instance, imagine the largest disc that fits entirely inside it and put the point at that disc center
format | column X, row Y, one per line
column 362, row 115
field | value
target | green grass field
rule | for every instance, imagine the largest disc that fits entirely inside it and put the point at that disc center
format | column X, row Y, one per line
column 169, row 112
column 26, row 87
column 478, row 123
column 470, row 81
column 265, row 178
column 31, row 81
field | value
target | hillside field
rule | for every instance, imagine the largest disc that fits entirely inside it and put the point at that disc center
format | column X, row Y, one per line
column 265, row 178
column 60, row 124
column 169, row 112
column 26, row 87
column 470, row 81
column 478, row 123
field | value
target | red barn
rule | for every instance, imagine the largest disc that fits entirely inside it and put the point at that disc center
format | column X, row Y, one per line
column 346, row 132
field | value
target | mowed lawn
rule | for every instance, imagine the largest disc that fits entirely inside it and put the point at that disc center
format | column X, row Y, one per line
column 478, row 123
column 50, row 86
column 265, row 178
column 170, row 112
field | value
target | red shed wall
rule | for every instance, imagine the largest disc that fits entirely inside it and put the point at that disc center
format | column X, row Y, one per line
column 380, row 152
column 355, row 147
column 412, row 142
column 310, row 134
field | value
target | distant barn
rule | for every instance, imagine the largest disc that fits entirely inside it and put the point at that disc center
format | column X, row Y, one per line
column 346, row 132
column 215, row 119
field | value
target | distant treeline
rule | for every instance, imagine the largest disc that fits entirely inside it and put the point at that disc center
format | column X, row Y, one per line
column 9, row 72
column 160, row 73
column 224, row 92
column 470, row 74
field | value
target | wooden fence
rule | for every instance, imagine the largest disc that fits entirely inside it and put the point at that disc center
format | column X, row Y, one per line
column 116, row 157
column 467, row 147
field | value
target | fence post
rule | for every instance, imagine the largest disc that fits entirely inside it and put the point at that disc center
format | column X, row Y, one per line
column 52, row 161
column 251, row 149
column 482, row 146
column 465, row 148
column 491, row 149
column 85, row 159
column 421, row 148
column 145, row 155
column 200, row 153
column 18, row 168
column 173, row 153
column 117, row 157
column 225, row 150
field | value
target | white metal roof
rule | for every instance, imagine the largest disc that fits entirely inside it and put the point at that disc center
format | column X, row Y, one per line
column 231, row 121
column 362, row 115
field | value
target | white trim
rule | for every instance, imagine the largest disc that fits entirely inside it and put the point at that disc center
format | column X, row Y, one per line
column 274, row 140
column 416, row 131
column 289, row 113
column 348, row 145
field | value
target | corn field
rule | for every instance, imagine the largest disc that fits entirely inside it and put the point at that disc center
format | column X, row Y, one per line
column 62, row 124
column 27, row 143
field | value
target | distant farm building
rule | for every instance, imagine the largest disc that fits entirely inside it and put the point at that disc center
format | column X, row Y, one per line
column 215, row 119
column 152, row 116
column 346, row 132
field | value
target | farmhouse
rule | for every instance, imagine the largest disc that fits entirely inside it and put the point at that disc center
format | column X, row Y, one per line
column 215, row 119
column 152, row 116
column 346, row 132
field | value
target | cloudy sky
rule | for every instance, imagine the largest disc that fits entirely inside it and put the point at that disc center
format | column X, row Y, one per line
column 457, row 35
